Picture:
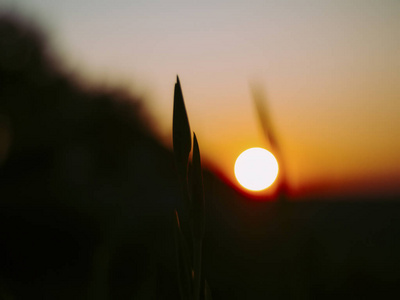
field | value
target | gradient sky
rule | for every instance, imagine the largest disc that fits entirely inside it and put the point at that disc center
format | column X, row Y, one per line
column 331, row 70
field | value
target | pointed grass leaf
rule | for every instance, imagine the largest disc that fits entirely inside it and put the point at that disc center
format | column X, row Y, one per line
column 181, row 135
column 197, row 192
column 183, row 262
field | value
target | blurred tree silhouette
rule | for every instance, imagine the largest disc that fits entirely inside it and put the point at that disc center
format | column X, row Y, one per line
column 81, row 179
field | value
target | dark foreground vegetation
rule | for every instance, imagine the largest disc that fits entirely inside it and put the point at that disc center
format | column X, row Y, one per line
column 87, row 199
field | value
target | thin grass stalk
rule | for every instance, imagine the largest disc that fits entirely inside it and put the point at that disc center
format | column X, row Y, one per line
column 264, row 116
column 189, row 274
column 197, row 216
column 182, row 143
column 183, row 262
column 197, row 249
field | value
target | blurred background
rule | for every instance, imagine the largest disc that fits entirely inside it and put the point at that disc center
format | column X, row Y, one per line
column 87, row 178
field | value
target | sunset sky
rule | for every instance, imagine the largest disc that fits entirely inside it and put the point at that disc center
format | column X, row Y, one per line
column 330, row 69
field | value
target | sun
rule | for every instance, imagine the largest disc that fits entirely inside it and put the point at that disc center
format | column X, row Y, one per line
column 256, row 169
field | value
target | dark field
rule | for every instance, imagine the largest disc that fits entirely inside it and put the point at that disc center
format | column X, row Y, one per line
column 306, row 250
column 252, row 250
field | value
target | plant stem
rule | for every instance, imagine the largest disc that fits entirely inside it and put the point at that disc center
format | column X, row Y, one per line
column 196, row 267
column 185, row 194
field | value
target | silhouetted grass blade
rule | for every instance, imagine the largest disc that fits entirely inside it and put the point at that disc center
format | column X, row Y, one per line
column 198, row 216
column 265, row 118
column 189, row 278
column 182, row 142
column 183, row 262
column 197, row 192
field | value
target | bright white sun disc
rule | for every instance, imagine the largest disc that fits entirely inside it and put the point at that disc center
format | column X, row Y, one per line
column 256, row 169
